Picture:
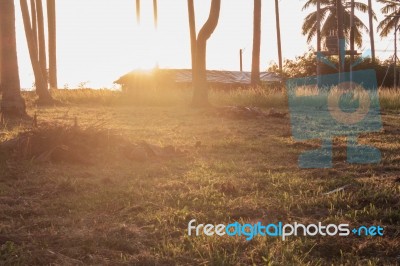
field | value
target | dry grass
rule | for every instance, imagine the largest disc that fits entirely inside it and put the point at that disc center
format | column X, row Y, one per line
column 258, row 97
column 116, row 211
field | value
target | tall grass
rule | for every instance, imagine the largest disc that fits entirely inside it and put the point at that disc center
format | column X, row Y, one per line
column 389, row 99
column 258, row 97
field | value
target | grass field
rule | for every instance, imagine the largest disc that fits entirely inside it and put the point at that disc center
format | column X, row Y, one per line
column 118, row 211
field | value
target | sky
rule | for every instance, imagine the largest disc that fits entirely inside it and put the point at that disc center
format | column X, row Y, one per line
column 99, row 40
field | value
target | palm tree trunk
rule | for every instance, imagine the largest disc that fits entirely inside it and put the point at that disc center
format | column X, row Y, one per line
column 318, row 41
column 255, row 65
column 339, row 12
column 192, row 28
column 34, row 20
column 12, row 102
column 155, row 13
column 371, row 30
column 352, row 29
column 278, row 33
column 138, row 11
column 41, row 86
column 41, row 39
column 52, row 32
column 200, row 94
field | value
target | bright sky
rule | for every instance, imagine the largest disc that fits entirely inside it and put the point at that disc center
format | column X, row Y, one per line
column 99, row 40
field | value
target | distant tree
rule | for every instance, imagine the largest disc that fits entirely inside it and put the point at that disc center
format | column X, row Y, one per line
column 12, row 102
column 329, row 20
column 41, row 85
column 392, row 11
column 52, row 31
column 255, row 65
column 200, row 93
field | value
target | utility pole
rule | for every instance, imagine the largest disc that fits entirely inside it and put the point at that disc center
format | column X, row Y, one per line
column 241, row 59
column 395, row 56
column 278, row 34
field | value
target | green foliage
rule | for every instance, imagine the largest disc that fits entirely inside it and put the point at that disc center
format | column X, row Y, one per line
column 329, row 21
column 306, row 65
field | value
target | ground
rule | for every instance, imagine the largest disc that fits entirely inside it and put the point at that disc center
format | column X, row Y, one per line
column 119, row 211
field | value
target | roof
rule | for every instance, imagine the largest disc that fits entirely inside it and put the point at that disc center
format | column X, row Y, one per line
column 227, row 77
column 185, row 76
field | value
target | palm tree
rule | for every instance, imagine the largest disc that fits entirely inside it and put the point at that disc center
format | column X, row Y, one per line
column 392, row 11
column 328, row 20
column 12, row 102
column 52, row 30
column 200, row 93
column 255, row 65
column 41, row 85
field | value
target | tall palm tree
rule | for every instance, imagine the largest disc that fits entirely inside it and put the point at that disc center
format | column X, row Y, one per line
column 200, row 93
column 41, row 85
column 12, row 102
column 255, row 65
column 328, row 20
column 392, row 11
column 52, row 31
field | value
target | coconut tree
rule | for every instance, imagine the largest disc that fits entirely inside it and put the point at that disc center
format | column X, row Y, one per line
column 392, row 11
column 12, row 102
column 200, row 92
column 328, row 20
column 52, row 30
column 41, row 85
column 255, row 65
